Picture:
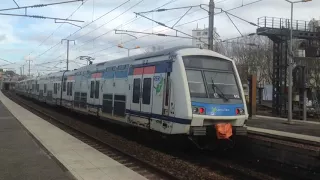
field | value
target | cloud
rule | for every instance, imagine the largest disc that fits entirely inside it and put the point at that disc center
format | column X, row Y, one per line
column 3, row 37
column 22, row 36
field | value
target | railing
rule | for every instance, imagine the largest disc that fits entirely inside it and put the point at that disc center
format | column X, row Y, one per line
column 281, row 23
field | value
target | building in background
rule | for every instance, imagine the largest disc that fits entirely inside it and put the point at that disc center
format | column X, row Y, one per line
column 8, row 79
column 202, row 36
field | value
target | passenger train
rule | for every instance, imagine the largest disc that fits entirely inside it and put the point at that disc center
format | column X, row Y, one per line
column 179, row 91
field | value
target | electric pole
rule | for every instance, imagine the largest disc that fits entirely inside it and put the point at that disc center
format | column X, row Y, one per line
column 29, row 65
column 68, row 41
column 211, row 24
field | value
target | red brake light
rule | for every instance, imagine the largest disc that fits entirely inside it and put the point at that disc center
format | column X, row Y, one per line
column 201, row 110
column 237, row 111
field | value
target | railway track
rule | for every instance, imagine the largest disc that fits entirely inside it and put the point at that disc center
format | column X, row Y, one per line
column 142, row 158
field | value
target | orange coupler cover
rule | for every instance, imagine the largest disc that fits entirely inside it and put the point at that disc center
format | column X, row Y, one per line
column 224, row 131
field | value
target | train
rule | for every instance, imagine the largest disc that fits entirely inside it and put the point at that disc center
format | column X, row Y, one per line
column 180, row 91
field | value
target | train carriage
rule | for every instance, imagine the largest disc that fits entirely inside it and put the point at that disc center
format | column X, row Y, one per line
column 182, row 90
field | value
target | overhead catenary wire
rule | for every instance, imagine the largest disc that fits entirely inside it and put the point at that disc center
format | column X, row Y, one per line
column 192, row 21
column 135, row 39
column 110, row 20
column 197, row 19
column 149, row 29
column 39, row 5
column 234, row 24
column 56, row 31
column 132, row 20
column 128, row 22
column 79, row 29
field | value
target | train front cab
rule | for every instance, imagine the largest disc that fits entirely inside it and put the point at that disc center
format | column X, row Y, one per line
column 215, row 99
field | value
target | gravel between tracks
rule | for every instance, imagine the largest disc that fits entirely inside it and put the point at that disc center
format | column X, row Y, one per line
column 175, row 165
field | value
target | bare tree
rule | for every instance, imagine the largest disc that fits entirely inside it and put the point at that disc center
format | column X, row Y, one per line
column 253, row 55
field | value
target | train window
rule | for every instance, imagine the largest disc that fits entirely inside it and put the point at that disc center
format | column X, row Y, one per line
column 146, row 91
column 109, row 69
column 119, row 105
column 97, row 89
column 67, row 88
column 207, row 62
column 218, row 81
column 45, row 88
column 196, row 84
column 59, row 87
column 55, row 88
column 70, row 91
column 167, row 91
column 64, row 86
column 122, row 67
column 136, row 90
column 92, row 89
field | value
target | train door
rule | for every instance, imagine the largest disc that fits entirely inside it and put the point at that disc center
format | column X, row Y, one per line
column 147, row 86
column 64, row 91
column 92, row 92
column 58, row 95
column 70, row 91
column 142, row 84
column 136, row 89
column 97, row 89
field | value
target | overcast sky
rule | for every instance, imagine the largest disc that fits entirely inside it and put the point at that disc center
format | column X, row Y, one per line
column 38, row 39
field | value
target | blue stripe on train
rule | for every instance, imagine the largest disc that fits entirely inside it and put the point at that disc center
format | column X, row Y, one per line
column 158, row 116
column 219, row 109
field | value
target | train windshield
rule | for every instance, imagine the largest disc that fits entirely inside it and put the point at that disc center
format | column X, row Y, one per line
column 210, row 77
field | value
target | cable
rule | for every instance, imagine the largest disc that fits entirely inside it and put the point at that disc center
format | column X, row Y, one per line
column 110, row 20
column 234, row 24
column 220, row 1
column 6, row 61
column 132, row 20
column 57, row 30
column 81, row 28
column 128, row 22
column 97, row 19
column 177, row 25
column 137, row 38
column 143, row 30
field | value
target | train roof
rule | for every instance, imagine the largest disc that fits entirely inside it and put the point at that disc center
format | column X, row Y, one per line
column 117, row 61
column 146, row 55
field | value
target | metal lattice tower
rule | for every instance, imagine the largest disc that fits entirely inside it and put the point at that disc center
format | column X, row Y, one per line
column 278, row 30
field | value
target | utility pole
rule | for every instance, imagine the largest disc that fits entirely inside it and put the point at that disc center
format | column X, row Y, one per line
column 290, row 68
column 68, row 41
column 29, row 65
column 211, row 24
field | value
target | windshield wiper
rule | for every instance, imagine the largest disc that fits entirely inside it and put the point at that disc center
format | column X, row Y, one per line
column 221, row 94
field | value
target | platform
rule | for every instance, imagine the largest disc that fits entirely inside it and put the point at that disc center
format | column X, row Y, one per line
column 77, row 158
column 300, row 130
column 21, row 157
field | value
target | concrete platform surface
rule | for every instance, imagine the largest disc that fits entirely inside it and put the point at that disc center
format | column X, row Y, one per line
column 81, row 160
column 21, row 157
column 278, row 124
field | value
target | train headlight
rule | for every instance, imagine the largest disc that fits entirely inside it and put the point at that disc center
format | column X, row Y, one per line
column 198, row 110
column 239, row 111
